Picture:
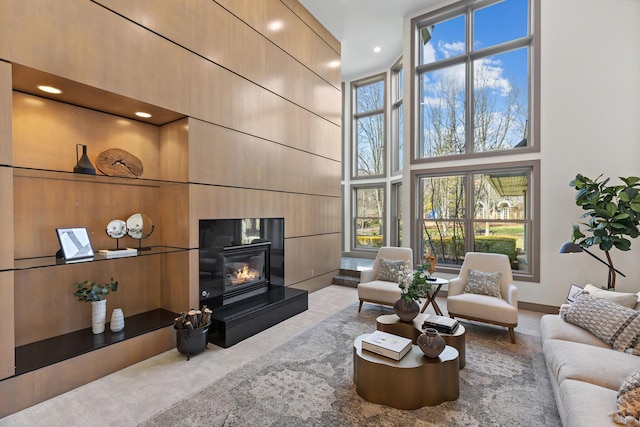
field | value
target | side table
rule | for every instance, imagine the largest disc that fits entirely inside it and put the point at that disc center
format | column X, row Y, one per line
column 431, row 298
column 412, row 330
column 410, row 383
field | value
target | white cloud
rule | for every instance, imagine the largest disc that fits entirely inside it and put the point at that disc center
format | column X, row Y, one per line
column 451, row 49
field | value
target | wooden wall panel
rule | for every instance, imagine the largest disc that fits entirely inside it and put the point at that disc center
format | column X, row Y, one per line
column 44, row 296
column 268, row 65
column 311, row 256
column 296, row 37
column 314, row 24
column 224, row 157
column 45, row 134
column 6, row 218
column 7, row 337
column 142, row 70
column 42, row 205
column 5, row 110
column 304, row 215
column 174, row 151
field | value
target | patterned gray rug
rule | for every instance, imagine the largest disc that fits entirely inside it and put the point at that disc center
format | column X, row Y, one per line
column 308, row 382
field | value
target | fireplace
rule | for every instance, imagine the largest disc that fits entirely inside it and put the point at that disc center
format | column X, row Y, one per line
column 245, row 270
column 242, row 277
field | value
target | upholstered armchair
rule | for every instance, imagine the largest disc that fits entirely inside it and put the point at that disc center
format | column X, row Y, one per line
column 485, row 298
column 385, row 292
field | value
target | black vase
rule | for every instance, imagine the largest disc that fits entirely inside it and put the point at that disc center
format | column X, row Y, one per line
column 406, row 310
column 431, row 343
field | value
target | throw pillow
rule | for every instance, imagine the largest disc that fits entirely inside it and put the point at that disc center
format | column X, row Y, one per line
column 390, row 270
column 622, row 298
column 628, row 401
column 614, row 324
column 484, row 283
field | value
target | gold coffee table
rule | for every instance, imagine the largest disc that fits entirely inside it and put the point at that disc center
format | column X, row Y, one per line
column 411, row 383
column 412, row 330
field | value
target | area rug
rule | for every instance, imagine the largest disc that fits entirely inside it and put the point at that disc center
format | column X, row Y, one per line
column 308, row 381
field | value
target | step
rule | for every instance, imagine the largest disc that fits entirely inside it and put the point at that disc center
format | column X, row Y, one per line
column 343, row 280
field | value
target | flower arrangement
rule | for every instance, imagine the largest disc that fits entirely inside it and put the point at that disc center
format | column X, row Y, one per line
column 414, row 285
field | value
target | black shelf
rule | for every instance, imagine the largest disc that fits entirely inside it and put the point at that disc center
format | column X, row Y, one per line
column 52, row 261
column 47, row 352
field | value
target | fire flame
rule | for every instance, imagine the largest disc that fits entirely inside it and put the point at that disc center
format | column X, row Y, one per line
column 245, row 274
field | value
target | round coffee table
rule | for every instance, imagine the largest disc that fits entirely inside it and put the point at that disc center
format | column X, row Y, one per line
column 412, row 330
column 410, row 383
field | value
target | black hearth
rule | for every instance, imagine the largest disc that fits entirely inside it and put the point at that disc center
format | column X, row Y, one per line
column 242, row 277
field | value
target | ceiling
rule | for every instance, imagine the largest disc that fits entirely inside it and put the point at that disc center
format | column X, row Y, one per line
column 361, row 25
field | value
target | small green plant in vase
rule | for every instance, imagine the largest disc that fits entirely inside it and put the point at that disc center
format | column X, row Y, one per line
column 413, row 286
column 96, row 294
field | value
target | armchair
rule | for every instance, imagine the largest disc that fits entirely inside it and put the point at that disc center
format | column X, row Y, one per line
column 382, row 292
column 501, row 311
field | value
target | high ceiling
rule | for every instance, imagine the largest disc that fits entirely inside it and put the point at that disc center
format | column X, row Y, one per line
column 361, row 25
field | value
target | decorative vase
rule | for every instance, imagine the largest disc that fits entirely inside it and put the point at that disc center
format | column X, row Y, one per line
column 431, row 343
column 98, row 316
column 117, row 320
column 406, row 310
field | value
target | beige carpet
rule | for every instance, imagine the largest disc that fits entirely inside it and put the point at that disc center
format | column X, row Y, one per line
column 308, row 382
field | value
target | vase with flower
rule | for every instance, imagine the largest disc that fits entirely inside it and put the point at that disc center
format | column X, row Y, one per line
column 413, row 286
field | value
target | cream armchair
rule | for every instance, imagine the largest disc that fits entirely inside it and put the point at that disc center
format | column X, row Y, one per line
column 383, row 292
column 502, row 311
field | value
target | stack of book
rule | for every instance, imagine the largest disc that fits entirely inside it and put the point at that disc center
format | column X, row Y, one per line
column 445, row 325
column 388, row 345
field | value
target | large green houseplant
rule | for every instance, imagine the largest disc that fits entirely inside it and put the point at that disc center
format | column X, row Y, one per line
column 612, row 215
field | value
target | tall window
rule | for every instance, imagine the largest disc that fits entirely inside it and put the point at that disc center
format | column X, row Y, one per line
column 472, row 67
column 369, row 127
column 396, row 214
column 396, row 118
column 486, row 209
column 368, row 221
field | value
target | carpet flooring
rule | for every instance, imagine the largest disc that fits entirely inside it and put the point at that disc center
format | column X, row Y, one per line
column 308, row 381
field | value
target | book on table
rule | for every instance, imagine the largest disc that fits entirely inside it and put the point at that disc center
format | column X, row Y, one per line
column 445, row 325
column 388, row 345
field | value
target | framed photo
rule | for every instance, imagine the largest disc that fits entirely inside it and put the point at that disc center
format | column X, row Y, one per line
column 74, row 243
column 573, row 291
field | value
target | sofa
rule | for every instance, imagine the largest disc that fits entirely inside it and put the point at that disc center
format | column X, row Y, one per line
column 586, row 372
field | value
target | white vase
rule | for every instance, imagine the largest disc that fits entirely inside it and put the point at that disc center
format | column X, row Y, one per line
column 98, row 316
column 117, row 320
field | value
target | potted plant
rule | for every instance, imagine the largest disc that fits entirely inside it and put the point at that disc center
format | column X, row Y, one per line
column 612, row 214
column 96, row 293
column 413, row 286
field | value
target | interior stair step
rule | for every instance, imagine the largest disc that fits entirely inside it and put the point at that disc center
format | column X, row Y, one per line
column 349, row 278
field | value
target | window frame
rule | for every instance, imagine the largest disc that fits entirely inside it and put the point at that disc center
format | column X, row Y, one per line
column 354, row 124
column 532, row 41
column 532, row 215
column 354, row 218
column 397, row 108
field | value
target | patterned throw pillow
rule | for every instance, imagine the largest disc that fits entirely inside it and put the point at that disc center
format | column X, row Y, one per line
column 484, row 283
column 614, row 324
column 389, row 270
column 628, row 401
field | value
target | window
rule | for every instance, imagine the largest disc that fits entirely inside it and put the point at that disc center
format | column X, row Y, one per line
column 368, row 221
column 482, row 209
column 396, row 214
column 369, row 127
column 472, row 71
column 396, row 118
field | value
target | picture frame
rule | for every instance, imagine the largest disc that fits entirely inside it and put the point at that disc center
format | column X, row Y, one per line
column 573, row 291
column 74, row 243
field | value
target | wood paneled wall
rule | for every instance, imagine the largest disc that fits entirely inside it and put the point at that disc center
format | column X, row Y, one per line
column 262, row 136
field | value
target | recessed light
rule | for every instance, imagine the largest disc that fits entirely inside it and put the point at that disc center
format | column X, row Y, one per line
column 143, row 114
column 377, row 49
column 50, row 89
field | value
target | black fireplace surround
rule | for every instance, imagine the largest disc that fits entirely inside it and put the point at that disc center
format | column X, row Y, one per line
column 242, row 277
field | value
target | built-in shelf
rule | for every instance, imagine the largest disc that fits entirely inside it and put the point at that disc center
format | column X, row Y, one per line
column 52, row 261
column 43, row 353
column 24, row 172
